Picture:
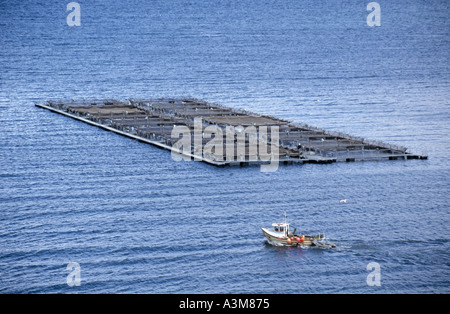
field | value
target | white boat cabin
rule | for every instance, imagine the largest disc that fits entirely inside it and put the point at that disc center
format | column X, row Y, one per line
column 281, row 229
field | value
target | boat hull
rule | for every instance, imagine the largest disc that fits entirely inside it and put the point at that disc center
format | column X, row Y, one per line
column 283, row 240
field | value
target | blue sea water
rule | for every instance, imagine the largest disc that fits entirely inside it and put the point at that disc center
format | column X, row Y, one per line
column 138, row 222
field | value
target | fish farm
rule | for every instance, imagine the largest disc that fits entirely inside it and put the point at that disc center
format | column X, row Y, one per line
column 222, row 136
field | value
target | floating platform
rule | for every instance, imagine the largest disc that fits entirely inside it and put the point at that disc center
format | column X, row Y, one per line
column 158, row 121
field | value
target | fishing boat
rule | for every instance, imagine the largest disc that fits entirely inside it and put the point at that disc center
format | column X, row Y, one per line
column 282, row 236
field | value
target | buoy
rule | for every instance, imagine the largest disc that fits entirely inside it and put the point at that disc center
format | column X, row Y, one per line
column 302, row 239
column 289, row 241
column 297, row 239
